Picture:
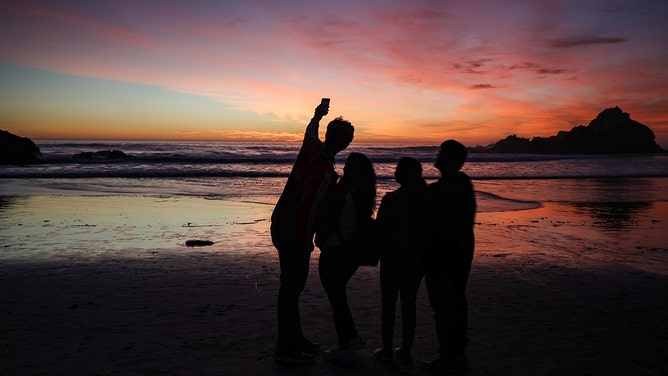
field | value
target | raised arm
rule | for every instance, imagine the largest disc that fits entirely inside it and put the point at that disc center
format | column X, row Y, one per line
column 314, row 126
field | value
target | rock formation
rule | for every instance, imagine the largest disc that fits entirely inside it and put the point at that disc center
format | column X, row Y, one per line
column 102, row 154
column 18, row 150
column 612, row 132
column 198, row 243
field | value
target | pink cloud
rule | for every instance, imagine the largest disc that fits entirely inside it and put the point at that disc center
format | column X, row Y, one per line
column 47, row 20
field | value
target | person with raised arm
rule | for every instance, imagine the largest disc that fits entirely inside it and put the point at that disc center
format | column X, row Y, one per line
column 293, row 227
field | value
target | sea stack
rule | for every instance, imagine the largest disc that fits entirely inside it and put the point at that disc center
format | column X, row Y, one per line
column 18, row 150
column 611, row 132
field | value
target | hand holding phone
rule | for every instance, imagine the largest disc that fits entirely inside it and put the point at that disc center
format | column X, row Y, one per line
column 323, row 107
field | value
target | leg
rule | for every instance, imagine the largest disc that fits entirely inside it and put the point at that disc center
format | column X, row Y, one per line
column 439, row 290
column 447, row 296
column 389, row 290
column 334, row 275
column 294, row 273
column 409, row 292
column 460, row 316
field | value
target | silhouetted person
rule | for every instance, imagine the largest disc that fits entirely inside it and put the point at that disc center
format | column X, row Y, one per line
column 342, row 223
column 293, row 227
column 447, row 255
column 399, row 217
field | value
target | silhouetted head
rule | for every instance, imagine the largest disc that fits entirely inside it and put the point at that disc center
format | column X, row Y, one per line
column 339, row 135
column 451, row 157
column 360, row 177
column 409, row 171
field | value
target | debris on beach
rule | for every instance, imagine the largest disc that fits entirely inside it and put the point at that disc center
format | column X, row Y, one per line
column 198, row 243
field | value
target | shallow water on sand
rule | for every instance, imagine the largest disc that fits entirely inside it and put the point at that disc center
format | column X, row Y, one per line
column 93, row 226
column 86, row 228
column 579, row 235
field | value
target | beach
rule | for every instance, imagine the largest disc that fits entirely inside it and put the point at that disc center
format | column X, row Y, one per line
column 94, row 285
column 144, row 146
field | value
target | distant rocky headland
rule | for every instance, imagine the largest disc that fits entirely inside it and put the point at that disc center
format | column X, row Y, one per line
column 612, row 132
column 18, row 150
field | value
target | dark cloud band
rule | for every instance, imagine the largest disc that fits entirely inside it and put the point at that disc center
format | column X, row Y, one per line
column 584, row 41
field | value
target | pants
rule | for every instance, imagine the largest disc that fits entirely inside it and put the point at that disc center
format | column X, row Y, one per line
column 397, row 282
column 335, row 271
column 294, row 273
column 447, row 296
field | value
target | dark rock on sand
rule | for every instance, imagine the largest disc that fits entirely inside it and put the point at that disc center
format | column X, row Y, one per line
column 198, row 243
column 18, row 150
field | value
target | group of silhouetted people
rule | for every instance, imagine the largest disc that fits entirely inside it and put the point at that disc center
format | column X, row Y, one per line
column 420, row 231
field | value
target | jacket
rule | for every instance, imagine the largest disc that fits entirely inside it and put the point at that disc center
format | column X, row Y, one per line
column 312, row 175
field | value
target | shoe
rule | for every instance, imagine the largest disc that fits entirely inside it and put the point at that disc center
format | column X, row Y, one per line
column 441, row 366
column 383, row 354
column 309, row 347
column 344, row 357
column 357, row 343
column 462, row 363
column 438, row 366
column 291, row 358
column 404, row 356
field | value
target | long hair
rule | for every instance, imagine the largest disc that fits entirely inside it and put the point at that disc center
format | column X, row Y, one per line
column 360, row 178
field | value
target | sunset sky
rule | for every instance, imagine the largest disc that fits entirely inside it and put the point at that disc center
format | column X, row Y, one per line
column 406, row 71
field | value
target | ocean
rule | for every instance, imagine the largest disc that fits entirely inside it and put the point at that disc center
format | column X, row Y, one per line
column 257, row 171
column 169, row 192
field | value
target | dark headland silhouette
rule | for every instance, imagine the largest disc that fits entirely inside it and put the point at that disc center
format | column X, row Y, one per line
column 612, row 132
column 18, row 150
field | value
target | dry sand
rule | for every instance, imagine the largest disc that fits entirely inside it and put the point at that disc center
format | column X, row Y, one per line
column 553, row 291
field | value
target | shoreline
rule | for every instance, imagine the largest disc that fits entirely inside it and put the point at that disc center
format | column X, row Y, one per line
column 561, row 289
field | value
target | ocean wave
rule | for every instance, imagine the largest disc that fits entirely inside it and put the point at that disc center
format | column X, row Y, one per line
column 224, row 159
column 193, row 173
column 175, row 158
column 140, row 174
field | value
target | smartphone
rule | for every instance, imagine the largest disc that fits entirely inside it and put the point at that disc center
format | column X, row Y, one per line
column 325, row 101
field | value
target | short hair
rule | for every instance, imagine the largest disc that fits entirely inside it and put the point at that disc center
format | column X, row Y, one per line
column 451, row 156
column 339, row 134
column 409, row 170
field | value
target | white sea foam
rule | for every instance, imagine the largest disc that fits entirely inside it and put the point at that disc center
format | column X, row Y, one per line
column 257, row 172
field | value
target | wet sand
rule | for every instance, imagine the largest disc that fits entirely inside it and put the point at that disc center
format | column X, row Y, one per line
column 105, row 285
